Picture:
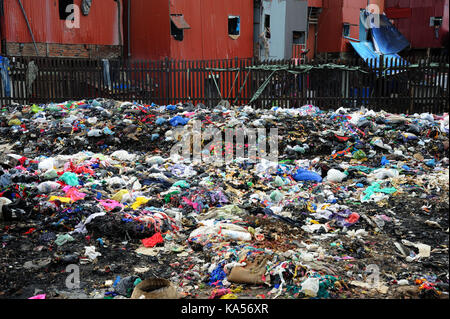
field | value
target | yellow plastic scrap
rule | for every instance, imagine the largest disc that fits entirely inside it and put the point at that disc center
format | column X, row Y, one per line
column 139, row 201
column 61, row 199
column 119, row 195
column 310, row 208
column 229, row 296
column 236, row 290
column 14, row 122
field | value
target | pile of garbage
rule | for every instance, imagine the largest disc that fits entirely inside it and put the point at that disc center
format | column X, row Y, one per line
column 355, row 206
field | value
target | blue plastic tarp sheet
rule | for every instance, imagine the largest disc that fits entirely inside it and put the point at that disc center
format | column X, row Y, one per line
column 4, row 76
column 366, row 51
column 387, row 38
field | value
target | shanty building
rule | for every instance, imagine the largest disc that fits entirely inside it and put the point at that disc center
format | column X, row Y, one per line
column 423, row 22
column 190, row 29
column 62, row 28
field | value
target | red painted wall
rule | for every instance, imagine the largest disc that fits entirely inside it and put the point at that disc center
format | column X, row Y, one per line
column 206, row 39
column 417, row 28
column 99, row 27
column 315, row 3
column 150, row 29
column 334, row 14
column 329, row 37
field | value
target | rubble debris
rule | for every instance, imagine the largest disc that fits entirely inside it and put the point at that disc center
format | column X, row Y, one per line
column 93, row 184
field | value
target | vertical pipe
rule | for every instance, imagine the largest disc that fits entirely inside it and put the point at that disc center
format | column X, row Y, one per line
column 128, row 28
column 29, row 27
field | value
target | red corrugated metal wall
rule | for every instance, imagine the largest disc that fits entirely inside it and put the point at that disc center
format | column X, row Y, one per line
column 101, row 26
column 208, row 37
column 329, row 37
column 149, row 29
column 334, row 14
column 417, row 27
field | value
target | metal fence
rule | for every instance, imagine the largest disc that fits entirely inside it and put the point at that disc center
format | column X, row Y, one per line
column 411, row 85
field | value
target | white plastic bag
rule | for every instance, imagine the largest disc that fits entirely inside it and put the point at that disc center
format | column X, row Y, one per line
column 310, row 287
column 333, row 175
column 48, row 187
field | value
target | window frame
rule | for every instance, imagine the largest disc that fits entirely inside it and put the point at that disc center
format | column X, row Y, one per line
column 237, row 27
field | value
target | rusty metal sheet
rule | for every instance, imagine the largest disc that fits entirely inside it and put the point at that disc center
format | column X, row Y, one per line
column 179, row 21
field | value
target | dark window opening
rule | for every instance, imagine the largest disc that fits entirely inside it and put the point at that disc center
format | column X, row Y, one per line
column 63, row 4
column 298, row 37
column 177, row 26
column 234, row 25
column 435, row 21
column 346, row 30
column 267, row 25
column 175, row 32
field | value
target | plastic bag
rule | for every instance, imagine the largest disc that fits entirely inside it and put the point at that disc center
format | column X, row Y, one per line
column 310, row 287
column 48, row 187
column 333, row 175
column 70, row 179
column 178, row 120
column 305, row 175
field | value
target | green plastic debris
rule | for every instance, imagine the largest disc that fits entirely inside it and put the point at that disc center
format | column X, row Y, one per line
column 69, row 178
column 376, row 188
column 326, row 283
column 182, row 184
column 361, row 168
column 177, row 249
column 276, row 196
column 36, row 109
column 51, row 174
column 278, row 181
column 53, row 108
column 62, row 239
column 137, row 281
column 167, row 196
column 299, row 149
column 359, row 154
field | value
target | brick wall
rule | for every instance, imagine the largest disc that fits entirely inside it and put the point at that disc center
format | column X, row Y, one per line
column 64, row 50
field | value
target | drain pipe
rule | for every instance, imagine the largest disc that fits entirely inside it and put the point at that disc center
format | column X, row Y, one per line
column 29, row 28
column 119, row 22
column 129, row 32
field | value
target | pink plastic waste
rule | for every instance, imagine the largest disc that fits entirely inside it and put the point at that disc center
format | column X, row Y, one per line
column 110, row 204
column 73, row 193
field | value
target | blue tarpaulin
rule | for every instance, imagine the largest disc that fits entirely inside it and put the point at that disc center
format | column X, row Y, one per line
column 387, row 38
column 385, row 41
column 366, row 51
column 4, row 74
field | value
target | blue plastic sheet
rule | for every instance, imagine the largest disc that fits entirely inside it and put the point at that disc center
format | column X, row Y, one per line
column 178, row 120
column 4, row 72
column 366, row 51
column 305, row 175
column 160, row 121
column 387, row 38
